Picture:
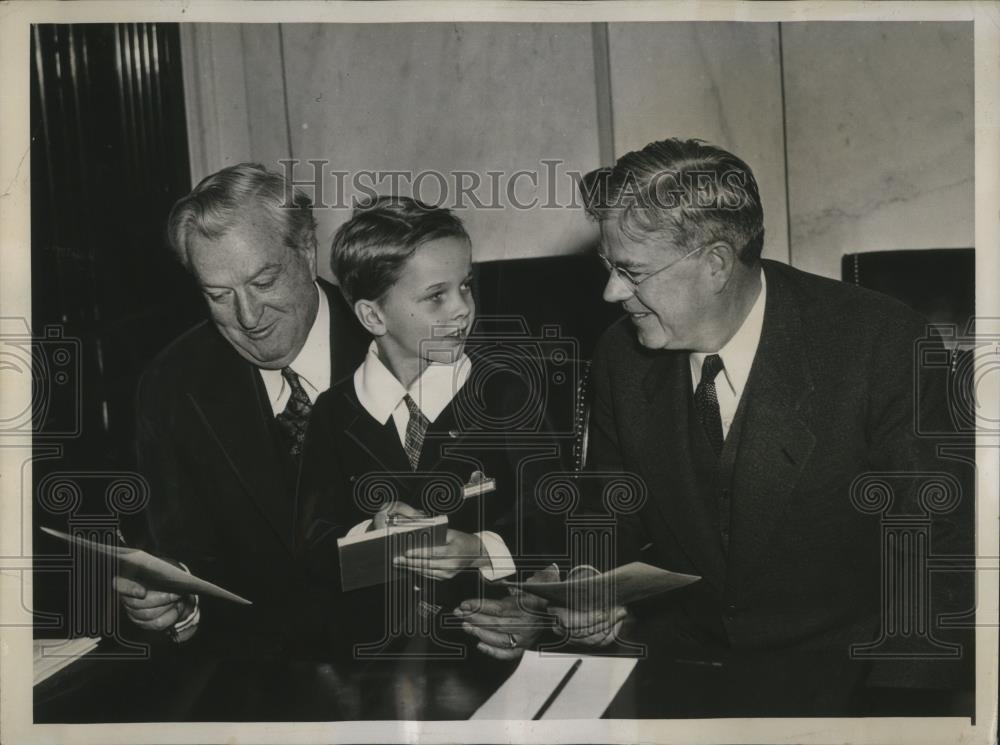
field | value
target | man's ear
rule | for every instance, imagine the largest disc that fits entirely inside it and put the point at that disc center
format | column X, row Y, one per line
column 721, row 261
column 370, row 316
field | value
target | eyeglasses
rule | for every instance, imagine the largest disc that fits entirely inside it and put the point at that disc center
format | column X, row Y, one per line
column 626, row 278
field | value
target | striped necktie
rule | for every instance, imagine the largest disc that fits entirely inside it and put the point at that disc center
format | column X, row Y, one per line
column 416, row 428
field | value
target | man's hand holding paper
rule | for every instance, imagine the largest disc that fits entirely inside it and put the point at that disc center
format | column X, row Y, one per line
column 507, row 627
column 597, row 627
column 154, row 610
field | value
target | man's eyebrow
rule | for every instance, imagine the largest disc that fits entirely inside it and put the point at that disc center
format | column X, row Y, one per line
column 626, row 263
column 266, row 268
column 435, row 286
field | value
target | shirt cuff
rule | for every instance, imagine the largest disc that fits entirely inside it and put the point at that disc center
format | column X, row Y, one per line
column 501, row 562
column 191, row 619
column 185, row 628
column 360, row 528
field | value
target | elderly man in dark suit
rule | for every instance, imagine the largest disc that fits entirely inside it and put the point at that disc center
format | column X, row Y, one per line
column 749, row 396
column 222, row 412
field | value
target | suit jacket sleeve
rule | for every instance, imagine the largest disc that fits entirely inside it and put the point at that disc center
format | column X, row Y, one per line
column 178, row 527
column 605, row 460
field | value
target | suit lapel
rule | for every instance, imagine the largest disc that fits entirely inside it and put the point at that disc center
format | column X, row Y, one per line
column 775, row 439
column 443, row 438
column 665, row 453
column 236, row 412
column 371, row 447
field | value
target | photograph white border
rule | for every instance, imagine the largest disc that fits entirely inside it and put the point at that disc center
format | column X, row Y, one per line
column 15, row 301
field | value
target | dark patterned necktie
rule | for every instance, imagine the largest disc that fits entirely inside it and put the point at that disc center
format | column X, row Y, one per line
column 416, row 428
column 293, row 420
column 707, row 401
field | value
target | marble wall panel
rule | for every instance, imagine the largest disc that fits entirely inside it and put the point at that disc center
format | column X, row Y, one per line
column 719, row 82
column 880, row 138
column 452, row 97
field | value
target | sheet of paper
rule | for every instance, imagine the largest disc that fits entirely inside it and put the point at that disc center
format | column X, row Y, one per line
column 52, row 655
column 620, row 586
column 152, row 571
column 592, row 689
column 586, row 695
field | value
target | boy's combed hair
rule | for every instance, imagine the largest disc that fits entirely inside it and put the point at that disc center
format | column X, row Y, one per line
column 370, row 249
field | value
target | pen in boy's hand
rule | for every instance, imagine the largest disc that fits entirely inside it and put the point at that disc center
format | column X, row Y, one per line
column 395, row 518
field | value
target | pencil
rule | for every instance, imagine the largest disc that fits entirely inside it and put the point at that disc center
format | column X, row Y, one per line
column 558, row 689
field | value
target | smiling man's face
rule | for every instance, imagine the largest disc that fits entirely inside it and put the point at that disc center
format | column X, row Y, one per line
column 261, row 294
column 670, row 310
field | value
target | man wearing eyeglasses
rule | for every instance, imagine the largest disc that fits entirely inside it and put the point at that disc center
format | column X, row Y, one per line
column 749, row 396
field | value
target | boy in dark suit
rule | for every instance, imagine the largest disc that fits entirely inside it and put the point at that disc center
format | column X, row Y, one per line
column 420, row 423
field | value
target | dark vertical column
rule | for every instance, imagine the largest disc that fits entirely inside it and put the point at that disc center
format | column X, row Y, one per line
column 108, row 160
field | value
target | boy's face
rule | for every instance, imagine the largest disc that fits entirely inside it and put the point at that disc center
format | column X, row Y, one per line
column 427, row 314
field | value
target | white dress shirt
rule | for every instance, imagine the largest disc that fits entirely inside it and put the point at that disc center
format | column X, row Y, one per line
column 382, row 396
column 737, row 359
column 311, row 364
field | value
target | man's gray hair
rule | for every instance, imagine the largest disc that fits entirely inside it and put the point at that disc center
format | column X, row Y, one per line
column 686, row 191
column 219, row 202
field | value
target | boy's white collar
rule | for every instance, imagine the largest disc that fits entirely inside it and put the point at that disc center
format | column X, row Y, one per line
column 379, row 392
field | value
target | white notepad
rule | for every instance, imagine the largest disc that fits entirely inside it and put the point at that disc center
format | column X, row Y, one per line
column 586, row 695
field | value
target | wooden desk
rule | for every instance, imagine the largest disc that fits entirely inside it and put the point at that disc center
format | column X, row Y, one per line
column 186, row 683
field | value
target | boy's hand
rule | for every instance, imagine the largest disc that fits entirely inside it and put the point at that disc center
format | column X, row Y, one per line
column 395, row 510
column 460, row 551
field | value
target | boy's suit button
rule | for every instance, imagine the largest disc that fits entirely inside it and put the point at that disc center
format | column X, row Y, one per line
column 730, row 612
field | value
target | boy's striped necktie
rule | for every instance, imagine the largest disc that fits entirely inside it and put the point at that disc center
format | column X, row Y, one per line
column 416, row 428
